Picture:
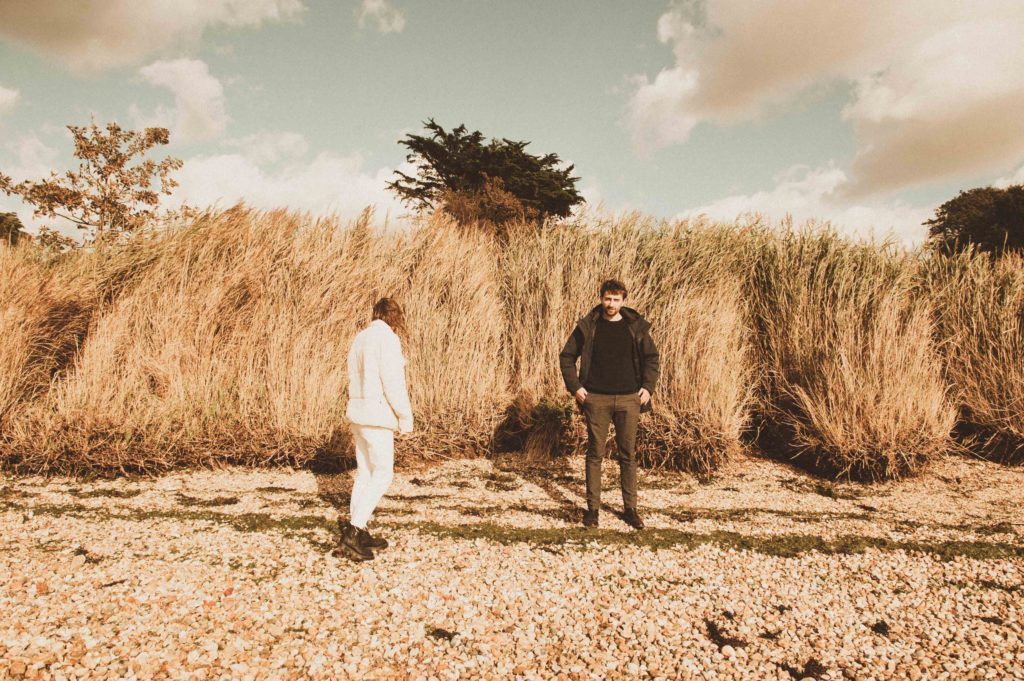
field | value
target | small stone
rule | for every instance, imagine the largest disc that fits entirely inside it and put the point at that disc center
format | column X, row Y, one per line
column 728, row 651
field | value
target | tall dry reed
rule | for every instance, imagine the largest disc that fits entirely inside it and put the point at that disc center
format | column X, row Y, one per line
column 225, row 340
column 979, row 304
column 228, row 344
column 684, row 280
column 43, row 318
column 853, row 382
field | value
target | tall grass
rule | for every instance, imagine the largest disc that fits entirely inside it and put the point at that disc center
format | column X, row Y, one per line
column 853, row 383
column 979, row 305
column 225, row 340
column 685, row 282
column 43, row 320
column 230, row 344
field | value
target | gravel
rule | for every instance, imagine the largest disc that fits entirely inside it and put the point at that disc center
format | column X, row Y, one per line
column 762, row 573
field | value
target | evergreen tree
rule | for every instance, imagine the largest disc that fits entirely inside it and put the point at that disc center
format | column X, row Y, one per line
column 472, row 179
column 991, row 219
column 11, row 229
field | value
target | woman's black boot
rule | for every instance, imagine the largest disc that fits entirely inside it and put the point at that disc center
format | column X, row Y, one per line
column 369, row 541
column 351, row 546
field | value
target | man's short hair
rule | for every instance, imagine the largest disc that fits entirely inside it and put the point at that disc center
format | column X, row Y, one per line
column 613, row 286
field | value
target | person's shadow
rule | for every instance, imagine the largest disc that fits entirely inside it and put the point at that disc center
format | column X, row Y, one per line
column 331, row 467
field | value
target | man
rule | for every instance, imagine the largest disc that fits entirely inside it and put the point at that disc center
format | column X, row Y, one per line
column 619, row 367
column 378, row 405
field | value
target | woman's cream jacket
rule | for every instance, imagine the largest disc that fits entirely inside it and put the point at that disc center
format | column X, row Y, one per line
column 377, row 394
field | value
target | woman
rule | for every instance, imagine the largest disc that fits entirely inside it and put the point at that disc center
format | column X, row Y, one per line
column 378, row 405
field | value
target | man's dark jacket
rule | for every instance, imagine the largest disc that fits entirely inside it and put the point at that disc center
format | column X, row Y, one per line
column 646, row 361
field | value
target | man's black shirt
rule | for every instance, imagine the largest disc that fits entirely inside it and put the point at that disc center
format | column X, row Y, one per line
column 611, row 368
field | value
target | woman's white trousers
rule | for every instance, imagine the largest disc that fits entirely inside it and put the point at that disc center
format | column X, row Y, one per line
column 375, row 462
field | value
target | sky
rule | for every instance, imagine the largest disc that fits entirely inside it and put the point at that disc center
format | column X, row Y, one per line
column 868, row 114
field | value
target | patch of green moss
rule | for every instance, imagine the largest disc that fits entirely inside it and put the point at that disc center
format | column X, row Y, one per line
column 394, row 512
column 111, row 493
column 457, row 483
column 416, row 497
column 726, row 514
column 11, row 492
column 502, row 482
column 495, row 511
column 783, row 545
column 242, row 522
column 187, row 500
column 312, row 528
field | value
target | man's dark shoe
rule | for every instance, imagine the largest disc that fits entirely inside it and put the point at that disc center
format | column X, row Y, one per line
column 350, row 545
column 369, row 541
column 590, row 519
column 632, row 518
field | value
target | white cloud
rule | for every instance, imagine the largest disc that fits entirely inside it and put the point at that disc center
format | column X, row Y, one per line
column 1014, row 179
column 937, row 86
column 199, row 112
column 326, row 184
column 804, row 195
column 93, row 35
column 8, row 98
column 593, row 196
column 387, row 18
column 270, row 147
column 31, row 159
column 598, row 203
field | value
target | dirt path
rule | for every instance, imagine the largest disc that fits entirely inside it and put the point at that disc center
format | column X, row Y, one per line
column 763, row 573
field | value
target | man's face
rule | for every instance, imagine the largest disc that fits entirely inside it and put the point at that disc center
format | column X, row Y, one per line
column 612, row 303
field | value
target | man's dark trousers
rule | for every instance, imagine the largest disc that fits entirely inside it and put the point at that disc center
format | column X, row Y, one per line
column 600, row 411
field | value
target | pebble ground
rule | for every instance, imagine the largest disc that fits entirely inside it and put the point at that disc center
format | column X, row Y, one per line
column 762, row 573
